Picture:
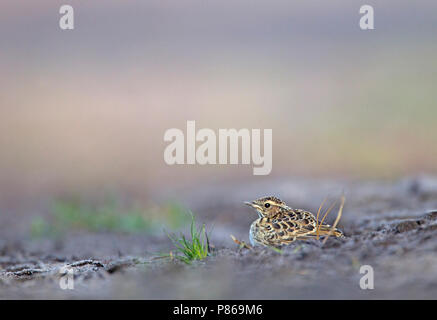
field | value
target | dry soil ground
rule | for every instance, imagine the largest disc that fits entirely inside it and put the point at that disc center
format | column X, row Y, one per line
column 391, row 226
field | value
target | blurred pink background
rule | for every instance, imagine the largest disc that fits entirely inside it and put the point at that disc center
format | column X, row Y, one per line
column 88, row 108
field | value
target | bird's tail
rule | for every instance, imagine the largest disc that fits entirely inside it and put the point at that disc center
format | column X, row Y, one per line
column 324, row 230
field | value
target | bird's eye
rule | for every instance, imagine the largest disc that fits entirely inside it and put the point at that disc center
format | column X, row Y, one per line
column 267, row 205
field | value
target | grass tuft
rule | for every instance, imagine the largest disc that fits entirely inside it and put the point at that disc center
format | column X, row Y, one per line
column 277, row 250
column 339, row 214
column 196, row 248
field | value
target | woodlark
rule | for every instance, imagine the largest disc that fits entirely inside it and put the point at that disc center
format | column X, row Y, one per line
column 279, row 224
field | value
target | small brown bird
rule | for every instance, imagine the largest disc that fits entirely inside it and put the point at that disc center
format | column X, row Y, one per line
column 279, row 224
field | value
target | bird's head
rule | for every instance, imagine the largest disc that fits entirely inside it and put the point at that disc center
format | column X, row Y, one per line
column 267, row 206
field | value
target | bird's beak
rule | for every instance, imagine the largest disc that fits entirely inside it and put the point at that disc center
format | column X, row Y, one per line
column 252, row 204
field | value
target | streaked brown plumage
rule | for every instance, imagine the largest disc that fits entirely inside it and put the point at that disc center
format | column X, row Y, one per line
column 279, row 224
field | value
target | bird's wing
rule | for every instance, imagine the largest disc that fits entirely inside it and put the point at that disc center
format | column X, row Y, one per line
column 297, row 223
column 287, row 227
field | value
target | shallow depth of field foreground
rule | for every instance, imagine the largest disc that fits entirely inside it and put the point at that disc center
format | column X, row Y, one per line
column 389, row 226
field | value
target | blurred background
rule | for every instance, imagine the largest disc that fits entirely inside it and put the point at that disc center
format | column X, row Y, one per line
column 83, row 112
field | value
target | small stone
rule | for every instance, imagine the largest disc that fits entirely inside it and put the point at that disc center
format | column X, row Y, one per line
column 406, row 226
